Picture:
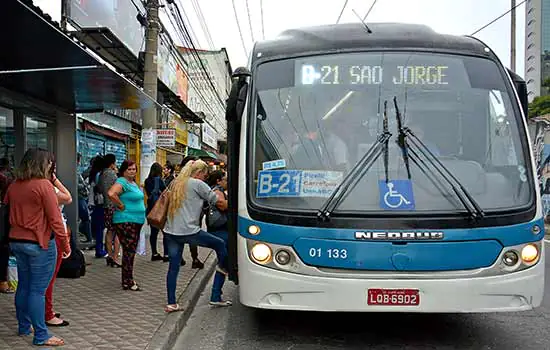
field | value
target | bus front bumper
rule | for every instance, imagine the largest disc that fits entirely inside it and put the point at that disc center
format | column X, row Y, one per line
column 267, row 288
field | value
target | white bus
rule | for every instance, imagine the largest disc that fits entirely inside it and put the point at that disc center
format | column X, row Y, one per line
column 382, row 169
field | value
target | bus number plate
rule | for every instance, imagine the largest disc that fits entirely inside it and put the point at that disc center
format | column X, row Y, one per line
column 393, row 297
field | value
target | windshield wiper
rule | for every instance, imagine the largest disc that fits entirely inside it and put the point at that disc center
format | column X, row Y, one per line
column 358, row 171
column 467, row 200
column 402, row 138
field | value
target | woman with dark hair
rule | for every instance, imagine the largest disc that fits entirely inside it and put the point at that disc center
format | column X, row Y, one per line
column 106, row 181
column 36, row 222
column 168, row 172
column 128, row 218
column 154, row 186
column 216, row 223
column 95, row 201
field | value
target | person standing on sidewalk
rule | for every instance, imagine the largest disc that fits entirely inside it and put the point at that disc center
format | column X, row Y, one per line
column 63, row 198
column 35, row 222
column 96, row 201
column 128, row 218
column 83, row 212
column 154, row 186
column 4, row 244
column 216, row 223
column 193, row 248
column 168, row 173
column 186, row 199
column 106, row 181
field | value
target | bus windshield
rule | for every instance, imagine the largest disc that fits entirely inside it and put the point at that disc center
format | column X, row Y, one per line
column 315, row 117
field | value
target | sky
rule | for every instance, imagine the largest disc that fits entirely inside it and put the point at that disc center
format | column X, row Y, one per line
column 459, row 17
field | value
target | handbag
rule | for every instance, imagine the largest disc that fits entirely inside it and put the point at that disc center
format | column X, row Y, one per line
column 158, row 215
column 215, row 218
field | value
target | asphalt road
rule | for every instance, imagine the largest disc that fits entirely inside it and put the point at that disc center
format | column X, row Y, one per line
column 238, row 327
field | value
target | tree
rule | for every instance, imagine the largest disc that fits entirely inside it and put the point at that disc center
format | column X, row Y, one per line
column 539, row 106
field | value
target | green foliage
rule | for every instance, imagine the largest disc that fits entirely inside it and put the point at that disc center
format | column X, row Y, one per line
column 539, row 106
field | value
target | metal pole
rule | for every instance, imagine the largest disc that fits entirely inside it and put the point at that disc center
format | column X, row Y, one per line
column 513, row 37
column 148, row 154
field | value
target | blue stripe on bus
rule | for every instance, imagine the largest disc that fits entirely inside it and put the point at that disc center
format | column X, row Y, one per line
column 385, row 256
column 287, row 235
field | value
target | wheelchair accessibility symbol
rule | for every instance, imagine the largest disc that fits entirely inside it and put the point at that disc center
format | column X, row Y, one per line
column 396, row 195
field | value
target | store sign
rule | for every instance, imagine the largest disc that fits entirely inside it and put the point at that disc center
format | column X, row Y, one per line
column 193, row 141
column 166, row 137
column 181, row 129
column 148, row 150
column 166, row 66
column 209, row 136
column 118, row 16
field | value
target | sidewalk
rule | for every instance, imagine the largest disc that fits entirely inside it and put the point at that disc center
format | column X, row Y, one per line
column 102, row 315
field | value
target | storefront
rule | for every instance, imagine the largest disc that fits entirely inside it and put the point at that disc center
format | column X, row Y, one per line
column 103, row 133
column 45, row 78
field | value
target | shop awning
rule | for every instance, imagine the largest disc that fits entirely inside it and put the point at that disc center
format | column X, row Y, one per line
column 42, row 62
column 201, row 153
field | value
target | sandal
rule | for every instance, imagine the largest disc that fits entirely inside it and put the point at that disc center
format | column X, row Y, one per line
column 8, row 290
column 53, row 341
column 133, row 288
column 173, row 308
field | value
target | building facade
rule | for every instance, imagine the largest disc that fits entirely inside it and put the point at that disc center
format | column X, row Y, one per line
column 207, row 94
column 537, row 47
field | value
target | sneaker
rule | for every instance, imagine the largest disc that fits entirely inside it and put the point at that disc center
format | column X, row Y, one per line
column 221, row 303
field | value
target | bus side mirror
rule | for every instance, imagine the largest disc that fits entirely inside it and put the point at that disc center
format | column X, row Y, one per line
column 521, row 88
column 237, row 95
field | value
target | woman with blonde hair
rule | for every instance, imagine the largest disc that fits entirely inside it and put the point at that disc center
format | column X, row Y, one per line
column 186, row 197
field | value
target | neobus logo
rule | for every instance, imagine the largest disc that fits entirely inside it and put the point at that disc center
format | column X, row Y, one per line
column 398, row 235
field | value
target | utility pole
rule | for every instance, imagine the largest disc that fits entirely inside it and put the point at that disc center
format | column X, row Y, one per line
column 513, row 37
column 148, row 149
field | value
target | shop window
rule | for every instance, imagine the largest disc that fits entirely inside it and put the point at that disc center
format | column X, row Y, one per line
column 40, row 133
column 7, row 135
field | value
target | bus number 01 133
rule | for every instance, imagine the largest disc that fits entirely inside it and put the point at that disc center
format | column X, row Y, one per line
column 329, row 253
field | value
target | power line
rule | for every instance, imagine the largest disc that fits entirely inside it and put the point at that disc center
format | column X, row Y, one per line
column 262, row 16
column 342, row 12
column 239, row 27
column 499, row 17
column 368, row 12
column 250, row 21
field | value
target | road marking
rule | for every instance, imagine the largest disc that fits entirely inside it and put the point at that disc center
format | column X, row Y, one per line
column 547, row 240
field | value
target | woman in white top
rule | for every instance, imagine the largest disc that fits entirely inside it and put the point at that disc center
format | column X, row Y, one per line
column 63, row 198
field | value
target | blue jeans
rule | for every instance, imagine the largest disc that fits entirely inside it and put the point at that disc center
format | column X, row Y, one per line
column 175, row 244
column 35, row 268
column 98, row 225
column 219, row 278
column 84, row 216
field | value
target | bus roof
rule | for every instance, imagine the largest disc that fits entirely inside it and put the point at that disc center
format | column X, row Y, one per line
column 353, row 36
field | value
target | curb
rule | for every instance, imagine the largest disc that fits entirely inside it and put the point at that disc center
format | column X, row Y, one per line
column 168, row 332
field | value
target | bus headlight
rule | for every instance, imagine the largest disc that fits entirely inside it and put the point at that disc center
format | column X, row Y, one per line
column 261, row 253
column 529, row 253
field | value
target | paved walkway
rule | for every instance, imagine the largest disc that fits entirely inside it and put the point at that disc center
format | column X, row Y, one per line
column 102, row 315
